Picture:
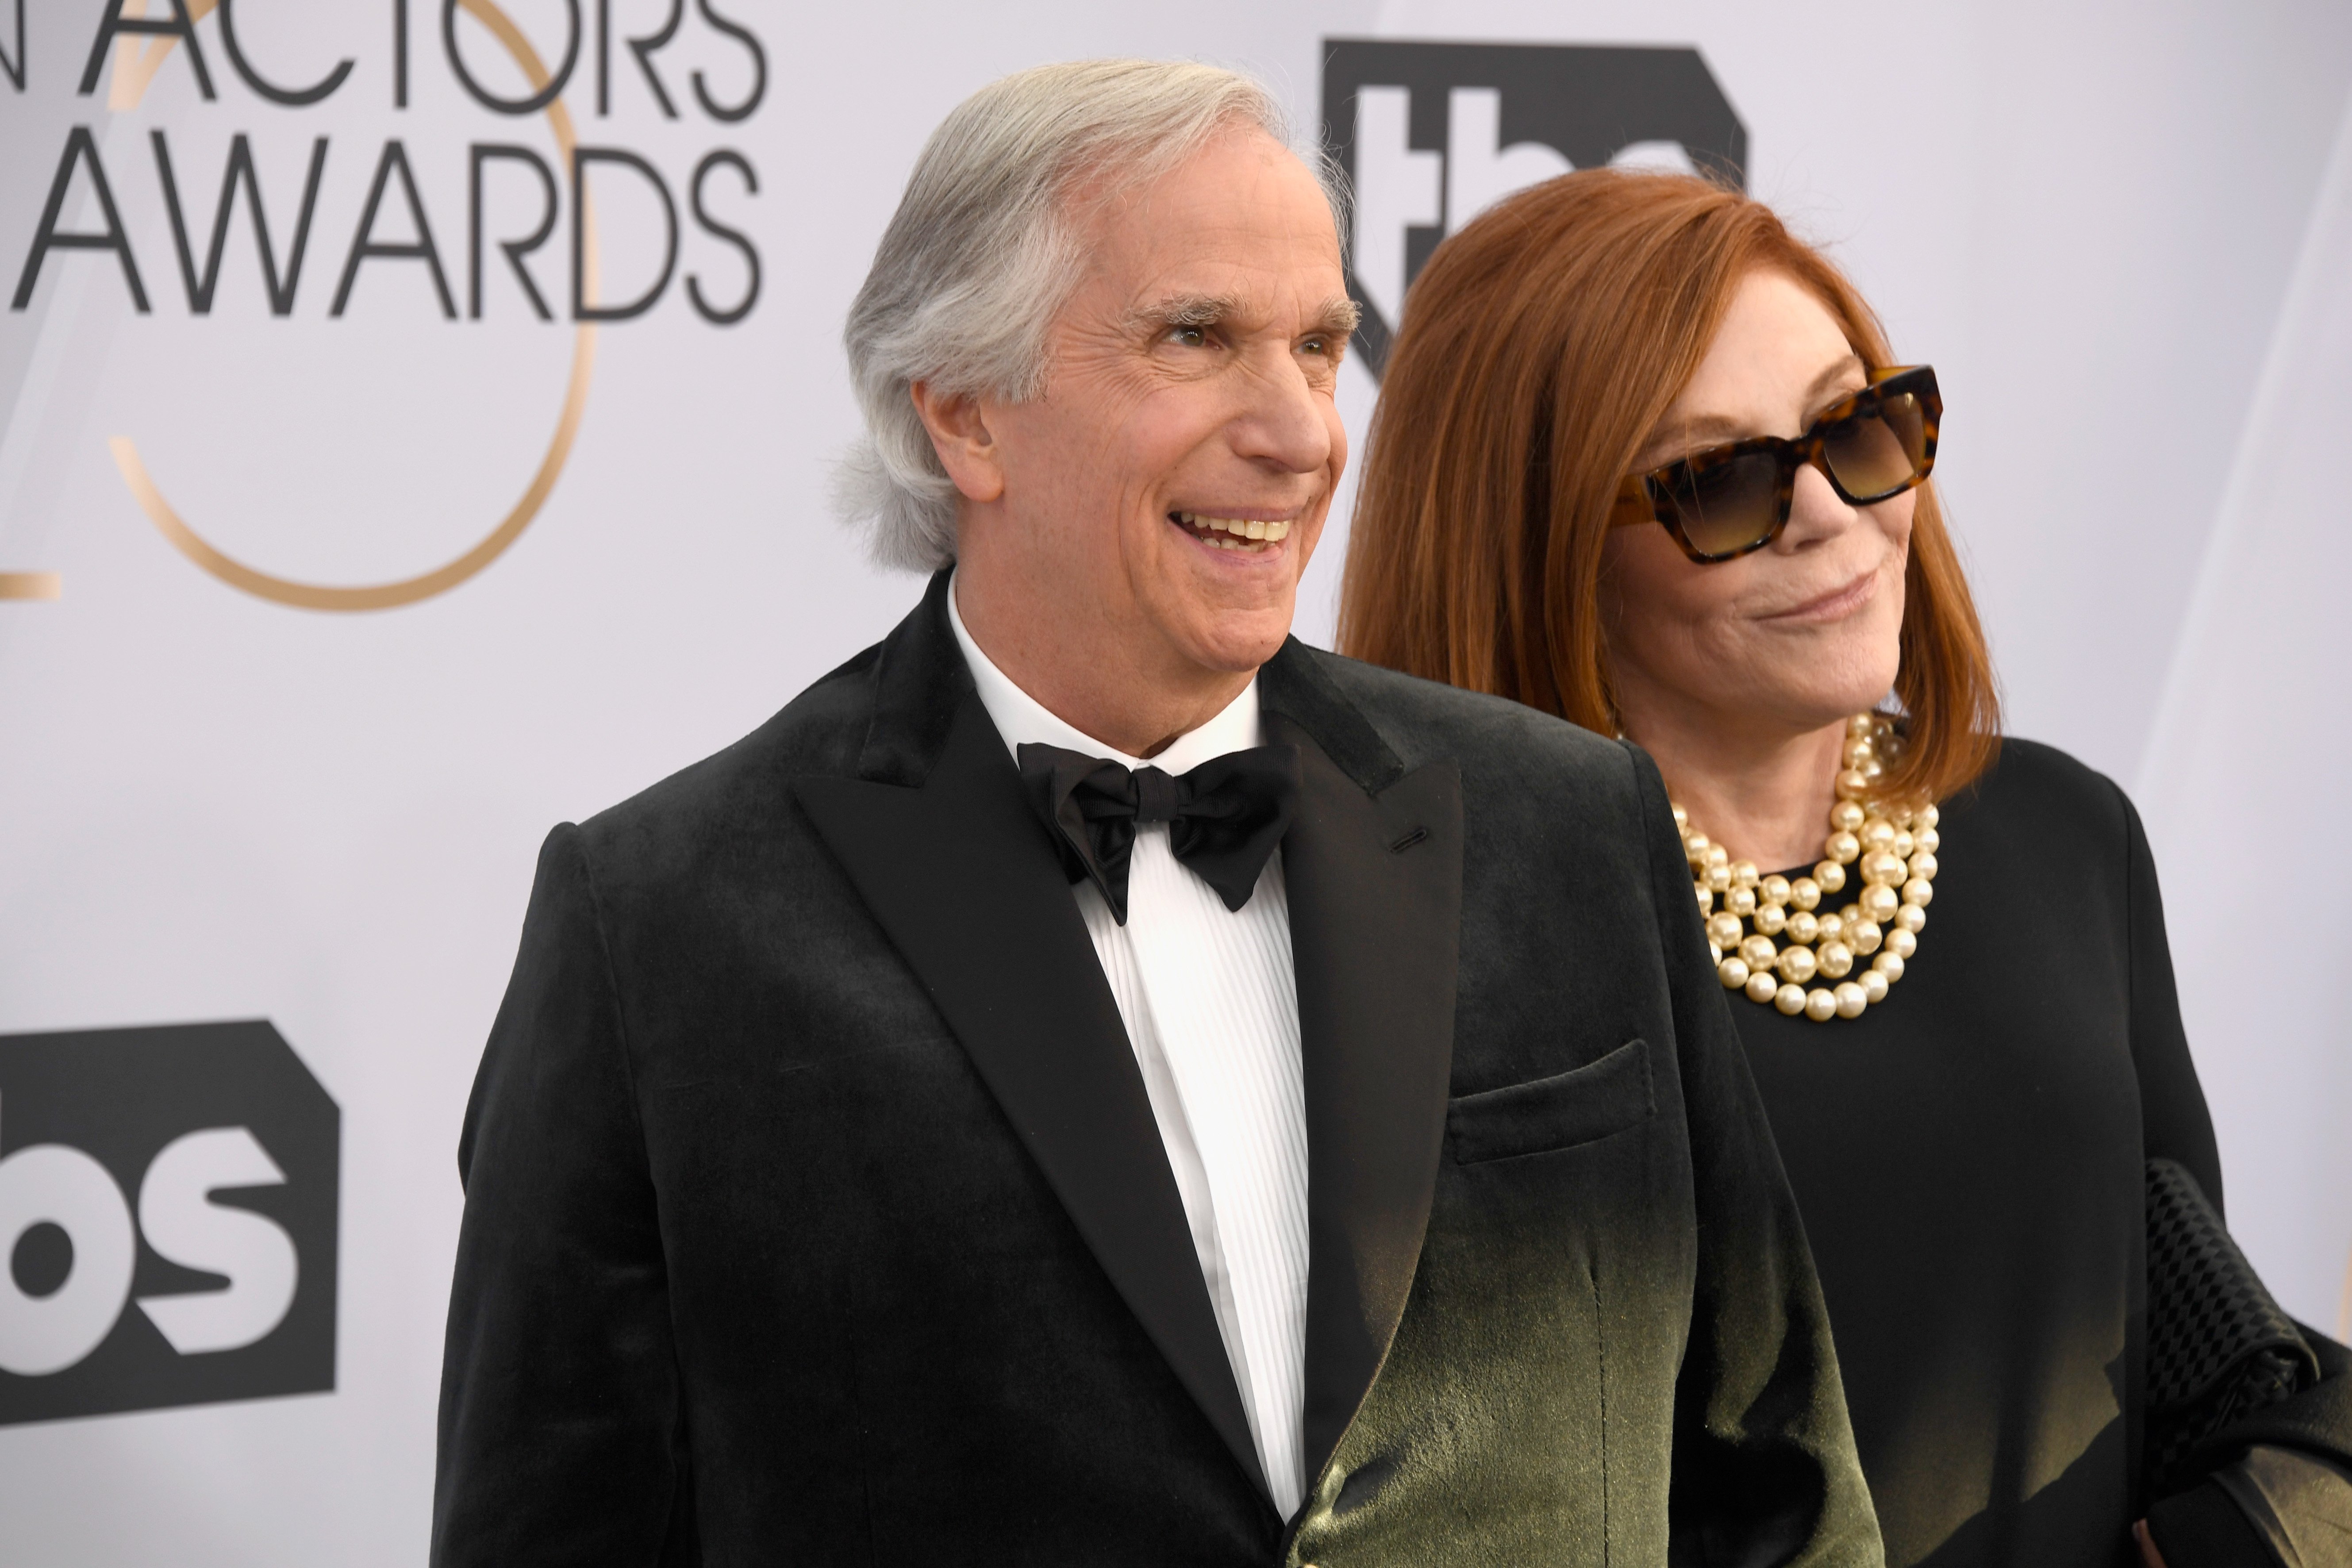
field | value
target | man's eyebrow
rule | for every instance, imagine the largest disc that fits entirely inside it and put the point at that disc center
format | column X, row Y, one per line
column 1184, row 310
column 1338, row 317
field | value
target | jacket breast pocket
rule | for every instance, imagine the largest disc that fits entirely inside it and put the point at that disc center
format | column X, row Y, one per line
column 1557, row 1113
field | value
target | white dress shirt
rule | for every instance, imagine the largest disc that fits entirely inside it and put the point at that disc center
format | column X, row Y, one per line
column 1211, row 1005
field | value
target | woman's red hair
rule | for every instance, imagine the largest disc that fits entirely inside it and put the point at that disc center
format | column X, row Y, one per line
column 1540, row 348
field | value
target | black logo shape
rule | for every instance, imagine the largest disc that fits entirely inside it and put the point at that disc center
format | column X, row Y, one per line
column 167, row 1220
column 1428, row 134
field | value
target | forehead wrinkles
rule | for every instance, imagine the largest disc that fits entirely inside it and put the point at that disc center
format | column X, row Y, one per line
column 1105, row 206
column 1095, row 203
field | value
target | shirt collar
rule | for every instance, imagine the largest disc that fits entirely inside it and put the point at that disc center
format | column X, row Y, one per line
column 1022, row 719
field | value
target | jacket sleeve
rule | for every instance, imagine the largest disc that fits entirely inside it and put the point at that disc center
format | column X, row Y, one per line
column 1765, row 1470
column 561, row 1426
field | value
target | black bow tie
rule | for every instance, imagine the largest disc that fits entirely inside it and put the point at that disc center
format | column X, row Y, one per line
column 1224, row 817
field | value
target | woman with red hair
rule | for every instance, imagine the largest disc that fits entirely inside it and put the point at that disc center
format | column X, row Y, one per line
column 1643, row 460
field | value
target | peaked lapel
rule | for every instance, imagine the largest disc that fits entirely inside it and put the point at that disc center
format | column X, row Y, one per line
column 945, row 850
column 1373, row 864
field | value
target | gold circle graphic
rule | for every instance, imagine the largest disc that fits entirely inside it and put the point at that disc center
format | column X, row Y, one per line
column 410, row 590
column 31, row 585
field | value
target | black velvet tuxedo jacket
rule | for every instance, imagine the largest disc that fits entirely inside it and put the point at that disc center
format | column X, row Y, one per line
column 815, row 1211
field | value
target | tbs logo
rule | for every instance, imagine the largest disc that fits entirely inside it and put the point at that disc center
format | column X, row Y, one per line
column 167, row 1220
column 1430, row 135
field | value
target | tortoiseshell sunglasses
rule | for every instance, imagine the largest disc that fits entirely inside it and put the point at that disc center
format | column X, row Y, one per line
column 1724, row 501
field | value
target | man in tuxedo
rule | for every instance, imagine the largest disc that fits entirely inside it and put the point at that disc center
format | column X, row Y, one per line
column 1094, row 1079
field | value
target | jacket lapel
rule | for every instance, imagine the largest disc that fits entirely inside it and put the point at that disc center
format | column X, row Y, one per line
column 1373, row 864
column 945, row 852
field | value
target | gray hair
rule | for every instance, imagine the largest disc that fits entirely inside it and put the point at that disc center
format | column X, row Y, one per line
column 981, row 254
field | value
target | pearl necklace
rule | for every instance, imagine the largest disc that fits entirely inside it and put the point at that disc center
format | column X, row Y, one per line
column 1895, row 847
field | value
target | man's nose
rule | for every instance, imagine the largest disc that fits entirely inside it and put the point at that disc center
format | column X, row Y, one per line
column 1281, row 423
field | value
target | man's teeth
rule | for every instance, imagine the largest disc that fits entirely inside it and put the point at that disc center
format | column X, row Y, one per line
column 1252, row 535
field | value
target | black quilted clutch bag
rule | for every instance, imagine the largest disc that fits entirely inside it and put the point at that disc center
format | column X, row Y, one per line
column 2218, row 1347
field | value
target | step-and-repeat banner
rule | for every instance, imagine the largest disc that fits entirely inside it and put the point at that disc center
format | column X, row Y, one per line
column 415, row 424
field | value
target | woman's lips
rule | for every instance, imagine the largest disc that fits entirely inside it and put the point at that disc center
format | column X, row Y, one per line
column 1835, row 605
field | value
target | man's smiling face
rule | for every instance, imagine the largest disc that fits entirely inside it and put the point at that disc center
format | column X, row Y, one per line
column 1165, row 492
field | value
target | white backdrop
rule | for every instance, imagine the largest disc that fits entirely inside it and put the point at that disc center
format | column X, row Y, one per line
column 2116, row 230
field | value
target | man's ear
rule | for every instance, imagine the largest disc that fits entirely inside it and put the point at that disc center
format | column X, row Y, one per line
column 960, row 435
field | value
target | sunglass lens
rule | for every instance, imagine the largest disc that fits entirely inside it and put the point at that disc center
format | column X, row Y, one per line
column 1729, row 505
column 1875, row 457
